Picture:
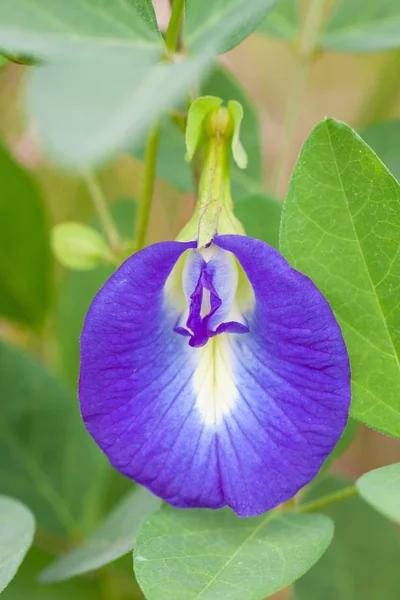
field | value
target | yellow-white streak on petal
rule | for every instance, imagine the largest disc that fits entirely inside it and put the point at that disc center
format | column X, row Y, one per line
column 213, row 381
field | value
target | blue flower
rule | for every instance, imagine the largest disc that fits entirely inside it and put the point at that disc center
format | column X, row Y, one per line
column 214, row 378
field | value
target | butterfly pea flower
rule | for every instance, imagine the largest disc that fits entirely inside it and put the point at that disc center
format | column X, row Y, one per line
column 214, row 374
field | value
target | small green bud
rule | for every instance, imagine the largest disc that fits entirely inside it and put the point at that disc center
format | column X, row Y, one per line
column 79, row 247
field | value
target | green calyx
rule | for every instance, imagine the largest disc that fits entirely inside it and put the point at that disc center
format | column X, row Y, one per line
column 215, row 129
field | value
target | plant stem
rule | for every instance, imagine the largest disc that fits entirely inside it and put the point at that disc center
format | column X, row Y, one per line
column 150, row 163
column 333, row 498
column 305, row 56
column 150, row 159
column 174, row 26
column 100, row 204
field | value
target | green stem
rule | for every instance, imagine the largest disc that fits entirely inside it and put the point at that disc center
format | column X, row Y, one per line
column 174, row 26
column 150, row 164
column 333, row 498
column 305, row 57
column 100, row 204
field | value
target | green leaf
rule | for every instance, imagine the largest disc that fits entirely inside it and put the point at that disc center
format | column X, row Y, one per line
column 363, row 26
column 113, row 538
column 49, row 29
column 145, row 9
column 17, row 527
column 384, row 140
column 340, row 226
column 26, row 585
column 381, row 489
column 47, row 459
column 186, row 555
column 171, row 165
column 101, row 89
column 77, row 291
column 87, row 109
column 25, row 258
column 223, row 23
column 362, row 561
column 282, row 21
column 260, row 215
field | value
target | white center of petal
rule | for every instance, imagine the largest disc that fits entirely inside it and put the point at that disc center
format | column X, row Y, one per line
column 213, row 381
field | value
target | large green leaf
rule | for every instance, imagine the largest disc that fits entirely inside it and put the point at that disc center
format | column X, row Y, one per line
column 362, row 561
column 86, row 109
column 260, row 215
column 340, row 226
column 47, row 459
column 188, row 555
column 210, row 21
column 25, row 259
column 384, row 140
column 381, row 489
column 52, row 28
column 17, row 526
column 171, row 165
column 363, row 26
column 112, row 539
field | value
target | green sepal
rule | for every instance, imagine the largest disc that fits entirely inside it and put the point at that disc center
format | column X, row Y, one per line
column 197, row 114
column 239, row 153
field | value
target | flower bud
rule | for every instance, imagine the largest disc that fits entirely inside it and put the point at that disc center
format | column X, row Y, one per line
column 79, row 247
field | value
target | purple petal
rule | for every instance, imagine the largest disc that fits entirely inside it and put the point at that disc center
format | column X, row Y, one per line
column 245, row 420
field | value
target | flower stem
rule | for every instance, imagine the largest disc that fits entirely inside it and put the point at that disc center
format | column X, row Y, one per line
column 150, row 163
column 174, row 26
column 150, row 160
column 305, row 57
column 333, row 498
column 100, row 204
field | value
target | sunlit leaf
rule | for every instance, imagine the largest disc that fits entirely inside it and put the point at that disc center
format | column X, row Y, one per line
column 340, row 226
column 185, row 555
column 362, row 561
column 17, row 526
column 25, row 259
column 381, row 489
